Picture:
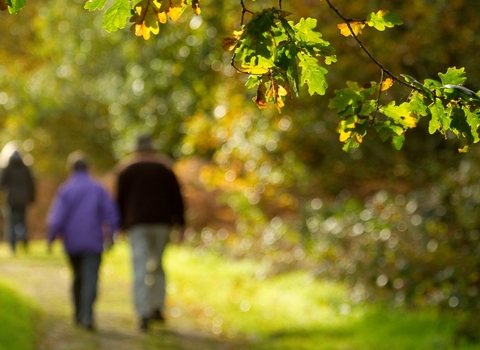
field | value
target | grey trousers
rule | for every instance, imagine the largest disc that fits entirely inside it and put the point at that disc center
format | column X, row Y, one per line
column 148, row 243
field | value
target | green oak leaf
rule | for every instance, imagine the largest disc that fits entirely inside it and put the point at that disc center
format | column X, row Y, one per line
column 305, row 31
column 253, row 81
column 401, row 115
column 14, row 6
column 414, row 82
column 257, row 45
column 473, row 121
column 313, row 75
column 116, row 16
column 440, row 120
column 417, row 104
column 293, row 68
column 386, row 130
column 383, row 19
column 345, row 97
column 352, row 97
column 93, row 5
column 454, row 76
column 432, row 84
column 460, row 127
column 462, row 92
column 368, row 108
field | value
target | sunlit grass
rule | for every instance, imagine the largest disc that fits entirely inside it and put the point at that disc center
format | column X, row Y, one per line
column 16, row 320
column 235, row 299
column 237, row 302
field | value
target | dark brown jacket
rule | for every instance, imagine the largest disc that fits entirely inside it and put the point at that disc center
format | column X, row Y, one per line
column 148, row 192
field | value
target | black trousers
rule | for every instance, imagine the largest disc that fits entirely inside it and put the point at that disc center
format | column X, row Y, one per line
column 85, row 284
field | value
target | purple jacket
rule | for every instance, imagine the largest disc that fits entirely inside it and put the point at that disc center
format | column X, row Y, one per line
column 83, row 214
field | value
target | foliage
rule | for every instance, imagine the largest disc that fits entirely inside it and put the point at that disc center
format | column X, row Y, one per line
column 281, row 56
column 388, row 247
column 450, row 106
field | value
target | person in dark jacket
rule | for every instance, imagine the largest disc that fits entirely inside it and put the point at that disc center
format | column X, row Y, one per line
column 16, row 178
column 150, row 202
column 86, row 217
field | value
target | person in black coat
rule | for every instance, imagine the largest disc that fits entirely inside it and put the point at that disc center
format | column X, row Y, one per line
column 151, row 203
column 17, row 180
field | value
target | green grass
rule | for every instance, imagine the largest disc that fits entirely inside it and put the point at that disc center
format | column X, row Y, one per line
column 293, row 311
column 16, row 320
column 234, row 303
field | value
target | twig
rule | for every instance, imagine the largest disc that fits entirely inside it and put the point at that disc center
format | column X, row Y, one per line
column 379, row 95
column 244, row 10
column 384, row 70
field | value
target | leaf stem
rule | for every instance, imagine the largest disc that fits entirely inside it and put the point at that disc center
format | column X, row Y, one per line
column 377, row 106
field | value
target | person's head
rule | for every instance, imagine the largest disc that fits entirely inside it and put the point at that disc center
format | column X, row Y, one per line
column 16, row 158
column 145, row 144
column 77, row 161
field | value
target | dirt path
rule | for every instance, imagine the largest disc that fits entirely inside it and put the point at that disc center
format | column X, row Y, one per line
column 46, row 280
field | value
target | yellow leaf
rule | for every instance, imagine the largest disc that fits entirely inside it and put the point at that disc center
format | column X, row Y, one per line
column 174, row 13
column 196, row 7
column 280, row 104
column 282, row 91
column 386, row 84
column 356, row 26
column 344, row 136
column 162, row 17
column 270, row 93
column 256, row 70
column 145, row 18
column 175, row 8
column 410, row 120
column 142, row 30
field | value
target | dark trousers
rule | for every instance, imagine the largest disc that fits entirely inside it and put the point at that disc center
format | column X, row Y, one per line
column 85, row 283
column 15, row 226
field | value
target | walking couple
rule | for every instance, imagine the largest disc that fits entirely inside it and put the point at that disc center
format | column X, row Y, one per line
column 148, row 204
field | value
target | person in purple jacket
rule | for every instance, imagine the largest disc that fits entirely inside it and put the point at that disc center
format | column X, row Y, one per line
column 85, row 217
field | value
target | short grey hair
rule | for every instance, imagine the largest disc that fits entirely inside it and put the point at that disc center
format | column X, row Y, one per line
column 77, row 161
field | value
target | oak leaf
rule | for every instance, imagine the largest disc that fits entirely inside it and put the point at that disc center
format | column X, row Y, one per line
column 229, row 43
column 145, row 18
column 196, row 7
column 386, row 84
column 356, row 27
column 260, row 98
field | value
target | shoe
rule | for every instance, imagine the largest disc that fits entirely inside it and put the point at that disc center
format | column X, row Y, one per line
column 144, row 324
column 89, row 327
column 157, row 316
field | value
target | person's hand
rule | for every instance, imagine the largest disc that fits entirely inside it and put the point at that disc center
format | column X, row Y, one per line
column 108, row 244
column 181, row 234
column 178, row 234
